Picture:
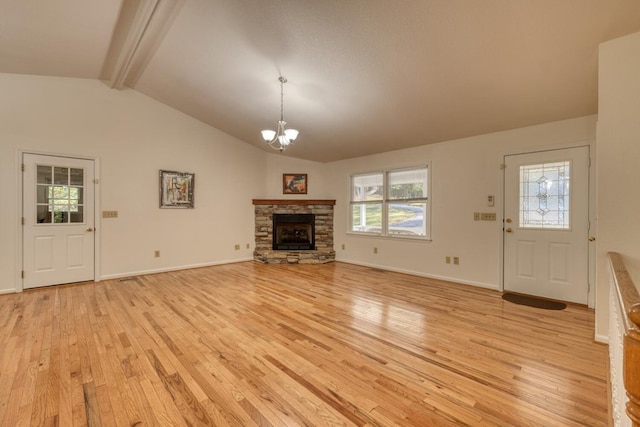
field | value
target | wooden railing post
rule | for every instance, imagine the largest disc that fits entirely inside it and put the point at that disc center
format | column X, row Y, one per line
column 629, row 300
column 632, row 364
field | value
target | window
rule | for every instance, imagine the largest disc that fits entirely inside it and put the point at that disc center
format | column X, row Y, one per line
column 59, row 195
column 391, row 203
column 544, row 196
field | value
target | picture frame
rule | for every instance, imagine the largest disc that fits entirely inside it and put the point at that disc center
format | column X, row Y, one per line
column 294, row 183
column 176, row 190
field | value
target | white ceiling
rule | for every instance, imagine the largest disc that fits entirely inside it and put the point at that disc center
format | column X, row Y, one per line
column 365, row 76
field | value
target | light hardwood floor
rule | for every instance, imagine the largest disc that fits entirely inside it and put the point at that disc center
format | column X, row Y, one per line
column 250, row 344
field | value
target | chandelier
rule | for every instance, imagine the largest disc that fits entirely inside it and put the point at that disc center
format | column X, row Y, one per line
column 280, row 138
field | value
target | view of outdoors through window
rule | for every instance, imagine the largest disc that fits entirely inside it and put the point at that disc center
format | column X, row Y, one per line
column 392, row 204
column 407, row 206
column 59, row 195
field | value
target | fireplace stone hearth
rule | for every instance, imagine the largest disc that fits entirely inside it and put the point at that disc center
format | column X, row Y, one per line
column 322, row 211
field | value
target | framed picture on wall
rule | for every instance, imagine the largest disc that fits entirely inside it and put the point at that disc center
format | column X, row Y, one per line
column 294, row 183
column 176, row 189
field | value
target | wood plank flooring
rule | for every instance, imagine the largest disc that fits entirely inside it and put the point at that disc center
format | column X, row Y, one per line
column 307, row 345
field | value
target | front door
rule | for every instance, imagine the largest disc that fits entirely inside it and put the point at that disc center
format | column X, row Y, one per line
column 546, row 224
column 58, row 220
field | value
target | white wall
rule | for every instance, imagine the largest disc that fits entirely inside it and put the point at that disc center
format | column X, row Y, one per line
column 618, row 173
column 133, row 137
column 277, row 164
column 464, row 172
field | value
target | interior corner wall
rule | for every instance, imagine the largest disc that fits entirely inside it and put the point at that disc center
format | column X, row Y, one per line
column 618, row 173
column 133, row 137
column 463, row 173
column 278, row 164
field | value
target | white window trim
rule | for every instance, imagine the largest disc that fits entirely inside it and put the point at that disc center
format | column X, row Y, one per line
column 386, row 201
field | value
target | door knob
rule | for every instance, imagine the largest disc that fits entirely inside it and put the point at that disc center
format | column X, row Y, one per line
column 509, row 220
column 89, row 229
column 592, row 239
column 508, row 230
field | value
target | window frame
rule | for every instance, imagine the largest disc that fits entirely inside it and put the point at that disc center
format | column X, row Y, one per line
column 386, row 201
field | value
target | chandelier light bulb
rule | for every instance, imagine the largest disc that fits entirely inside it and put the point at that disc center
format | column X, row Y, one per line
column 268, row 135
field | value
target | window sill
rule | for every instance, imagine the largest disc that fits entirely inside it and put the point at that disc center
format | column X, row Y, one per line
column 396, row 238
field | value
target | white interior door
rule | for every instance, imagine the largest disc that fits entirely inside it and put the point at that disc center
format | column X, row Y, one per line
column 546, row 214
column 58, row 220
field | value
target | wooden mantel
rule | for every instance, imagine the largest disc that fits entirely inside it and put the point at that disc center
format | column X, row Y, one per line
column 293, row 202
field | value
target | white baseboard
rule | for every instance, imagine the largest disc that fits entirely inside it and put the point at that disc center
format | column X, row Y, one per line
column 8, row 291
column 174, row 268
column 421, row 274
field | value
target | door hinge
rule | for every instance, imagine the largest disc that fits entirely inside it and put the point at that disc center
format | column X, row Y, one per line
column 503, row 166
column 22, row 220
column 22, row 167
column 22, row 274
column 96, row 181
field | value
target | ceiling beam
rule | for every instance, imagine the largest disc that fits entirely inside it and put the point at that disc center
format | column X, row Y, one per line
column 140, row 28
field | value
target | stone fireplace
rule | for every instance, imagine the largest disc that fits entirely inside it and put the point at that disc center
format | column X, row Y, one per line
column 291, row 231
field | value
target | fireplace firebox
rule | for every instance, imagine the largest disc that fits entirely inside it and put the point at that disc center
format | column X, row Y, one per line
column 294, row 232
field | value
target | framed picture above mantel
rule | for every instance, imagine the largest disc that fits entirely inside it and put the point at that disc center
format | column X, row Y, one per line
column 294, row 183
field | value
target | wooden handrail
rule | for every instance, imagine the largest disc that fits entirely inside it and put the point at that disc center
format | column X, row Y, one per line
column 629, row 301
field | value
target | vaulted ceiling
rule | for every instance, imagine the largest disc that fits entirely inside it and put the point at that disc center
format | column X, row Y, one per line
column 365, row 76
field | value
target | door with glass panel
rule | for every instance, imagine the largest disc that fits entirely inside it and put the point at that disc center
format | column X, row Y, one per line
column 58, row 220
column 546, row 224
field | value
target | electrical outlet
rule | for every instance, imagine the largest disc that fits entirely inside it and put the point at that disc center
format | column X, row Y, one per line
column 476, row 216
column 237, row 247
column 156, row 254
column 109, row 214
column 456, row 260
column 447, row 260
column 375, row 250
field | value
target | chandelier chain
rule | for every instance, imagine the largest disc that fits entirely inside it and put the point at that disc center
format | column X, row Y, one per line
column 283, row 80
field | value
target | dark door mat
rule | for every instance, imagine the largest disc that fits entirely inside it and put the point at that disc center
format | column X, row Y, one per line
column 534, row 302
